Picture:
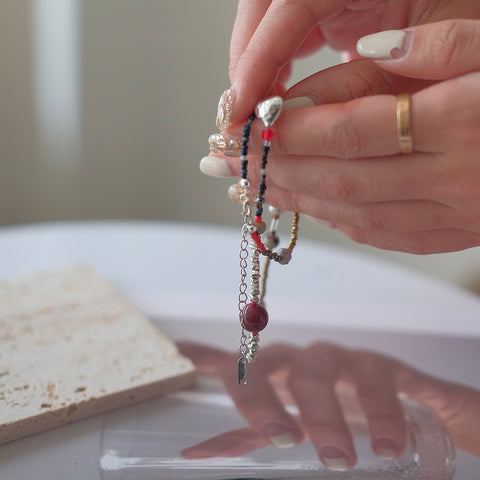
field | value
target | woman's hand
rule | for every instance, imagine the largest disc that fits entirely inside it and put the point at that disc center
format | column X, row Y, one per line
column 269, row 34
column 339, row 161
column 324, row 381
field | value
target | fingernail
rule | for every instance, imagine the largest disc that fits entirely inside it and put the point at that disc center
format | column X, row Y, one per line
column 279, row 434
column 334, row 458
column 215, row 167
column 226, row 144
column 298, row 102
column 389, row 44
column 225, row 108
column 385, row 448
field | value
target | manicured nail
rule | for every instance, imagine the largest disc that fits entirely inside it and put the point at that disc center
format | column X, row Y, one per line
column 279, row 434
column 215, row 167
column 226, row 144
column 385, row 448
column 334, row 458
column 225, row 108
column 387, row 44
column 297, row 102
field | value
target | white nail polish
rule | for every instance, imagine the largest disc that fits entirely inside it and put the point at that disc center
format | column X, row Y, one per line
column 386, row 453
column 215, row 167
column 380, row 45
column 336, row 464
column 297, row 102
column 284, row 440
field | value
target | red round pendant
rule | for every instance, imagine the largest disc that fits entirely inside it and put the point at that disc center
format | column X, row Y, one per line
column 254, row 317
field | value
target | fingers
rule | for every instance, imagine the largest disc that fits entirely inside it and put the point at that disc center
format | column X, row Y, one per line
column 420, row 243
column 234, row 443
column 346, row 183
column 363, row 127
column 281, row 32
column 249, row 15
column 206, row 359
column 377, row 393
column 373, row 218
column 457, row 405
column 258, row 404
column 367, row 126
column 347, row 81
column 435, row 51
column 312, row 383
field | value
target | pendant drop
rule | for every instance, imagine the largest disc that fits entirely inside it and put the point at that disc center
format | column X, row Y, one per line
column 242, row 371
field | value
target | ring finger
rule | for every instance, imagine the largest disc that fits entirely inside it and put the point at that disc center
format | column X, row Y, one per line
column 311, row 383
column 394, row 216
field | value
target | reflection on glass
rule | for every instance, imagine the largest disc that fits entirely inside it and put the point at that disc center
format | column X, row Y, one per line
column 305, row 413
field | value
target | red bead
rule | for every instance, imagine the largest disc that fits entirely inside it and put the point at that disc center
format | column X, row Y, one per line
column 267, row 134
column 258, row 219
column 254, row 317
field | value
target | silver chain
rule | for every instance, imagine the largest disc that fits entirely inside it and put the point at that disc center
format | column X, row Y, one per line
column 248, row 344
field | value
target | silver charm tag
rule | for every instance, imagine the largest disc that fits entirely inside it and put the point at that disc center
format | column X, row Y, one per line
column 242, row 371
column 269, row 110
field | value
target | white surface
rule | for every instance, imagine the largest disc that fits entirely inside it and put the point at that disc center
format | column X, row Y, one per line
column 174, row 272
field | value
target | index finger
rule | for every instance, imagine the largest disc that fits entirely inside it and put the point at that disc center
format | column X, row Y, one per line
column 279, row 35
column 249, row 16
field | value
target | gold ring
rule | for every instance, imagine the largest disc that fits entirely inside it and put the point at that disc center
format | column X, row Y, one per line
column 403, row 123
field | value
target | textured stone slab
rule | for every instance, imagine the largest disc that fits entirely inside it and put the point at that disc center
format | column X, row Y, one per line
column 71, row 346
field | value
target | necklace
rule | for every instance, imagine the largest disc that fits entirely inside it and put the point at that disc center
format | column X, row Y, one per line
column 253, row 315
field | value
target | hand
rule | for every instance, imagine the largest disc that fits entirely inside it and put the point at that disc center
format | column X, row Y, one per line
column 269, row 34
column 340, row 161
column 319, row 380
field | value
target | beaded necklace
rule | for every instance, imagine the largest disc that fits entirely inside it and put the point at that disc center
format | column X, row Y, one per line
column 253, row 315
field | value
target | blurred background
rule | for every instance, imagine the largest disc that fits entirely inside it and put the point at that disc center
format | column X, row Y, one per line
column 105, row 111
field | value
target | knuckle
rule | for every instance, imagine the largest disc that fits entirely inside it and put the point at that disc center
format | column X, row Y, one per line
column 344, row 138
column 447, row 41
column 338, row 188
column 370, row 81
column 460, row 103
column 307, row 7
column 288, row 200
column 368, row 222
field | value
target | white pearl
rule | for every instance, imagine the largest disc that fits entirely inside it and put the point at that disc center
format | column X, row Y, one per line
column 275, row 211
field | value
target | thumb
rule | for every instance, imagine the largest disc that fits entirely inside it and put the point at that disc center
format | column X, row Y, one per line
column 434, row 51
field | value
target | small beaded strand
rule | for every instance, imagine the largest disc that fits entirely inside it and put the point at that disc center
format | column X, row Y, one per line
column 244, row 152
column 267, row 135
